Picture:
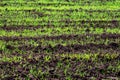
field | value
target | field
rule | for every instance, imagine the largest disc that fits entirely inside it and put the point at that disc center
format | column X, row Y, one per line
column 59, row 40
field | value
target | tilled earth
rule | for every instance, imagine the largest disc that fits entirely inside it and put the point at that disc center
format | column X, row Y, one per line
column 60, row 67
column 91, row 55
column 59, row 61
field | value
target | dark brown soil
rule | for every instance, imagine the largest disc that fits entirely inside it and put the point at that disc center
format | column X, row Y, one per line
column 68, row 22
column 52, row 70
column 75, row 48
column 18, row 28
column 20, row 58
column 64, row 37
column 10, row 47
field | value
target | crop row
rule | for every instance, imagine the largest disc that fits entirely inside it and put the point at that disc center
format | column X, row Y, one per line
column 58, row 31
column 56, row 15
column 102, row 42
column 58, row 66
